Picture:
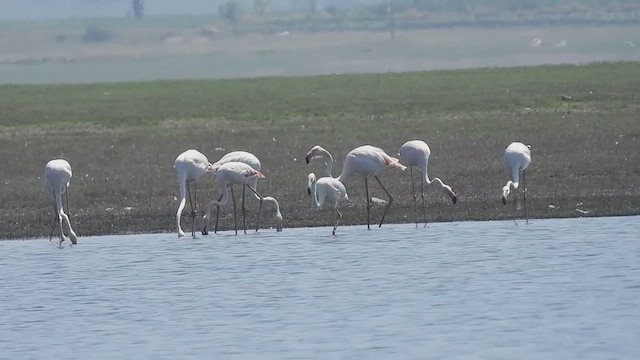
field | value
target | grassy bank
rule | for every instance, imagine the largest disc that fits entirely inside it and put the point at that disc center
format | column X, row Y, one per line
column 122, row 139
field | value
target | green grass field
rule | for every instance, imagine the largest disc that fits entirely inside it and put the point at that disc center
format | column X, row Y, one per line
column 122, row 138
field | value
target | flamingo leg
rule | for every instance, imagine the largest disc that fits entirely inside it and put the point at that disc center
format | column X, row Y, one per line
column 388, row 203
column 366, row 189
column 244, row 211
column 415, row 198
column 424, row 208
column 72, row 234
column 235, row 217
column 215, row 229
column 193, row 210
column 55, row 219
column 259, row 207
column 58, row 219
column 524, row 196
column 338, row 217
column 515, row 200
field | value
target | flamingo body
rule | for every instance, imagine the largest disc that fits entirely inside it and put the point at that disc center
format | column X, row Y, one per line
column 327, row 188
column 367, row 161
column 57, row 175
column 416, row 153
column 190, row 166
column 227, row 175
column 253, row 161
column 517, row 157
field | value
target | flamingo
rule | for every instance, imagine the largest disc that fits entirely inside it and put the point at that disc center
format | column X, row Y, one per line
column 253, row 161
column 227, row 175
column 190, row 166
column 367, row 161
column 416, row 153
column 517, row 157
column 327, row 187
column 57, row 174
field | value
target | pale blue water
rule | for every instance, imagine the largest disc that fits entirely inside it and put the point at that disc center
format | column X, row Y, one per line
column 553, row 289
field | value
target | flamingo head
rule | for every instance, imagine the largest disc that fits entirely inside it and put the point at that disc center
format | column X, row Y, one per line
column 315, row 152
column 505, row 194
column 447, row 190
column 212, row 167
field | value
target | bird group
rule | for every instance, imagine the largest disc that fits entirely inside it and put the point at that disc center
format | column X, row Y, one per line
column 243, row 168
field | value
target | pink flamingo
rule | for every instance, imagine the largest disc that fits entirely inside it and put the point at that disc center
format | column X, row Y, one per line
column 227, row 175
column 368, row 161
column 190, row 166
column 253, row 161
column 416, row 153
column 327, row 187
column 57, row 174
column 517, row 157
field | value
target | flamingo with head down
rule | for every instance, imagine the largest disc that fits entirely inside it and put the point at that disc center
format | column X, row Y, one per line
column 416, row 153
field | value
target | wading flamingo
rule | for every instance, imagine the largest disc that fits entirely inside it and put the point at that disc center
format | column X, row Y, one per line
column 190, row 166
column 327, row 187
column 57, row 174
column 517, row 157
column 227, row 175
column 368, row 161
column 416, row 153
column 253, row 161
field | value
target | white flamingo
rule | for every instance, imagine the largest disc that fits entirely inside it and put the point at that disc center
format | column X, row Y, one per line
column 190, row 166
column 368, row 161
column 57, row 174
column 326, row 188
column 416, row 153
column 517, row 157
column 227, row 175
column 253, row 161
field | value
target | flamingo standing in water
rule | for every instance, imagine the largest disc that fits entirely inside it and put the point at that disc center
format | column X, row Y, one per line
column 227, row 175
column 190, row 166
column 416, row 153
column 517, row 157
column 57, row 174
column 368, row 161
column 253, row 161
column 327, row 187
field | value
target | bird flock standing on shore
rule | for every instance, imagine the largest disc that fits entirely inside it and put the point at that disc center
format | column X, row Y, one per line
column 244, row 169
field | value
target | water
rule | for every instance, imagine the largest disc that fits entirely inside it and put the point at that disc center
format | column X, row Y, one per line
column 553, row 289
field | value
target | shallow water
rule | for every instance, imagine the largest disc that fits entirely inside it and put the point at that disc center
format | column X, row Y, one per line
column 552, row 289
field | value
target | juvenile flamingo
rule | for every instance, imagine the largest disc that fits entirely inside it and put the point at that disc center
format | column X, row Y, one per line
column 253, row 161
column 517, row 157
column 57, row 174
column 190, row 166
column 416, row 153
column 327, row 187
column 227, row 175
column 368, row 161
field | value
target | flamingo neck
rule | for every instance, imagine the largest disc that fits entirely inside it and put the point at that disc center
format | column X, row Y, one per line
column 313, row 188
column 328, row 164
column 515, row 177
column 224, row 191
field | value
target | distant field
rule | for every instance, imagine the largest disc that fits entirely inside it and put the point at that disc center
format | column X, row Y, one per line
column 122, row 139
column 54, row 52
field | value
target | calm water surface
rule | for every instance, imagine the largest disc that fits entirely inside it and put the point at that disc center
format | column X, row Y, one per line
column 553, row 289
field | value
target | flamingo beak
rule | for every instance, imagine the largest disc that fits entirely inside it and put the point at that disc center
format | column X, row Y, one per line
column 504, row 200
column 454, row 199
